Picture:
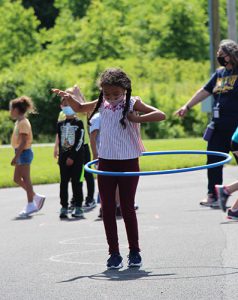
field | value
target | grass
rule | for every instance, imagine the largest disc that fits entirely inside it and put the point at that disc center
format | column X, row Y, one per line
column 45, row 169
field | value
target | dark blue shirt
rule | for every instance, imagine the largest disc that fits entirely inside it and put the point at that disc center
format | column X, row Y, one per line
column 223, row 85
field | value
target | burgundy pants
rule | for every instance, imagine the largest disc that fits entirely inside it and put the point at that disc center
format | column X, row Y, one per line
column 127, row 190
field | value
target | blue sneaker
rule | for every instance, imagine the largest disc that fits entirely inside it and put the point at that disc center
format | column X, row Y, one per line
column 134, row 259
column 222, row 196
column 114, row 261
column 63, row 213
column 77, row 212
column 233, row 215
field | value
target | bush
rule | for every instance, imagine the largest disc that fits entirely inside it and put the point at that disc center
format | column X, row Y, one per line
column 166, row 84
column 6, row 127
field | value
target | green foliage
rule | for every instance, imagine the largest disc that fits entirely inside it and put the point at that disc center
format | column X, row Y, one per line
column 119, row 29
column 18, row 28
column 155, row 42
column 6, row 127
column 44, row 10
column 162, row 83
column 184, row 31
column 39, row 77
column 77, row 8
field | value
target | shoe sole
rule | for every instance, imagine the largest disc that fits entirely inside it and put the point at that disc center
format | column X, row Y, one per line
column 232, row 218
column 135, row 265
column 114, row 267
column 205, row 204
column 77, row 216
column 87, row 208
column 210, row 205
column 63, row 217
column 42, row 201
column 24, row 215
column 215, row 207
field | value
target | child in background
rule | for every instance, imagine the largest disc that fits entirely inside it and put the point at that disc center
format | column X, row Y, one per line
column 94, row 131
column 90, row 202
column 224, row 191
column 70, row 136
column 119, row 151
column 21, row 142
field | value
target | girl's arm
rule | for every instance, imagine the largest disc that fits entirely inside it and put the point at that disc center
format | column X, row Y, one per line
column 93, row 137
column 150, row 113
column 21, row 147
column 78, row 106
column 199, row 96
column 56, row 147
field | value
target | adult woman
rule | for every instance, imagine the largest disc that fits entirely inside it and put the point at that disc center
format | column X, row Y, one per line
column 223, row 85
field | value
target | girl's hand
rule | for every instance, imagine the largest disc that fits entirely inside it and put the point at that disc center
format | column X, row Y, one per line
column 56, row 153
column 61, row 93
column 133, row 117
column 182, row 111
column 69, row 162
column 14, row 161
column 78, row 94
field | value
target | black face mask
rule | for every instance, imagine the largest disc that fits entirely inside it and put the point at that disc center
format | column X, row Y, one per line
column 222, row 61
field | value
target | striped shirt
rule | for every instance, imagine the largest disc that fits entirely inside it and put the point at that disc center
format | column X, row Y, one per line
column 115, row 141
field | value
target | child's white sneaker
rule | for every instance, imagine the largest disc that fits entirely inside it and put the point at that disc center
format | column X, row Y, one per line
column 39, row 201
column 28, row 210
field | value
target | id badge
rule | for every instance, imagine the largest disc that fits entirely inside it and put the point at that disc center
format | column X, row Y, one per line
column 216, row 113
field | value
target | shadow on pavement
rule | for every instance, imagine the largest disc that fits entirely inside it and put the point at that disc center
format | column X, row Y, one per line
column 117, row 275
column 177, row 273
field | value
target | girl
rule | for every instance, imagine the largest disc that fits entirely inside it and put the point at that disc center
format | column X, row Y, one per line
column 119, row 150
column 21, row 142
column 94, row 131
column 225, row 191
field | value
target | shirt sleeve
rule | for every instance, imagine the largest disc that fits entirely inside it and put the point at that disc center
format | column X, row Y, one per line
column 95, row 124
column 209, row 86
column 24, row 127
column 133, row 100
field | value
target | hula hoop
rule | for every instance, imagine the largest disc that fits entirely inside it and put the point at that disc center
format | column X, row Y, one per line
column 163, row 172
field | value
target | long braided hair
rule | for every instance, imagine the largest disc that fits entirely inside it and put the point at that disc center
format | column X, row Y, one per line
column 114, row 77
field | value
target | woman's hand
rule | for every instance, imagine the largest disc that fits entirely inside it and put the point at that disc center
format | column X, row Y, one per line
column 182, row 111
column 69, row 162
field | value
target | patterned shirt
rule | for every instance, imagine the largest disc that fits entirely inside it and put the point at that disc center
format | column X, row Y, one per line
column 223, row 85
column 115, row 141
column 71, row 139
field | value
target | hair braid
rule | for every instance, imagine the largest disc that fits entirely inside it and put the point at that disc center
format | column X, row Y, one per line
column 100, row 100
column 126, row 108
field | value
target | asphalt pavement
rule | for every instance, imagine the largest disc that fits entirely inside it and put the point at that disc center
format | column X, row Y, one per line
column 189, row 252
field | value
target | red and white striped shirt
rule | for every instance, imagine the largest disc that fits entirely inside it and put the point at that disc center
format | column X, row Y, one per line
column 115, row 141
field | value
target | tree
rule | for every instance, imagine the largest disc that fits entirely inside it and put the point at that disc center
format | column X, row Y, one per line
column 96, row 36
column 44, row 10
column 77, row 8
column 184, row 33
column 18, row 33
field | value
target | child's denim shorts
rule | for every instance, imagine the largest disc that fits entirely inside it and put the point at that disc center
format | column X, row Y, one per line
column 26, row 157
